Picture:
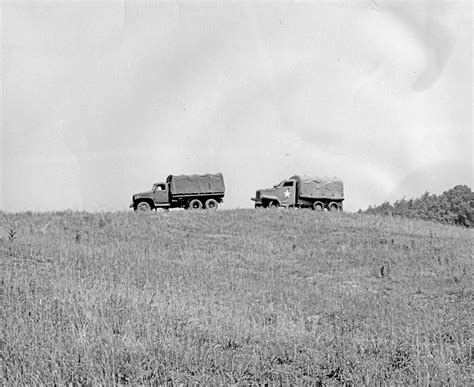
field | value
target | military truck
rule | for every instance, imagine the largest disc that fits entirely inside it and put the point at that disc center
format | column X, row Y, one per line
column 318, row 193
column 182, row 191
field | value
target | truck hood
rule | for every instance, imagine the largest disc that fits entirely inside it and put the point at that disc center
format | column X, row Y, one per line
column 145, row 194
column 264, row 191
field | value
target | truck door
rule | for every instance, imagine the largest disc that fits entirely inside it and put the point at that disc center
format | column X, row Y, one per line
column 160, row 194
column 286, row 193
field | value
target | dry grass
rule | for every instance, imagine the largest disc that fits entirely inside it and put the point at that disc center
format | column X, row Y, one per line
column 233, row 297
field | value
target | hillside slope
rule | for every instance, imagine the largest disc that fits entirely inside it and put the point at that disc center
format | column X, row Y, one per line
column 232, row 297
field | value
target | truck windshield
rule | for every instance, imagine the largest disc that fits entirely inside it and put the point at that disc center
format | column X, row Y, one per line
column 158, row 187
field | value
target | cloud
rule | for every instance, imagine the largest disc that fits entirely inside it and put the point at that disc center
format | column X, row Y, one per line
column 434, row 178
column 425, row 21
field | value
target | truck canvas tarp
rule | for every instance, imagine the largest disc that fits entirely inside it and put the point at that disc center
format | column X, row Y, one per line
column 196, row 184
column 319, row 187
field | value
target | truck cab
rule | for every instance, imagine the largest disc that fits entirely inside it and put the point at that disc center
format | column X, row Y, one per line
column 282, row 194
column 160, row 195
column 157, row 197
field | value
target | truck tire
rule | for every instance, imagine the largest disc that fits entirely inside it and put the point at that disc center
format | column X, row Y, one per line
column 318, row 206
column 211, row 204
column 143, row 207
column 333, row 207
column 272, row 205
column 195, row 204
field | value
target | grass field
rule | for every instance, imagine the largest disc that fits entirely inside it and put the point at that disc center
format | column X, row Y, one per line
column 263, row 296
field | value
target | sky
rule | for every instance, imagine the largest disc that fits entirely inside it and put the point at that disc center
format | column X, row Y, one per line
column 101, row 99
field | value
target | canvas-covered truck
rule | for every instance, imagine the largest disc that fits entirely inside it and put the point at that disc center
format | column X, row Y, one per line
column 183, row 191
column 318, row 193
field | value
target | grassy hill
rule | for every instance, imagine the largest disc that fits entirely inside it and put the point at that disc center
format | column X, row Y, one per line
column 288, row 296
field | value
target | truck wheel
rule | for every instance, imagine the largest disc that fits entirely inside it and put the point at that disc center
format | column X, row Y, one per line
column 333, row 207
column 211, row 204
column 143, row 207
column 195, row 204
column 318, row 206
column 272, row 205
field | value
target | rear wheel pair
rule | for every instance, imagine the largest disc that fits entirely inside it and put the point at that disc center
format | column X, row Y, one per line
column 196, row 204
column 333, row 206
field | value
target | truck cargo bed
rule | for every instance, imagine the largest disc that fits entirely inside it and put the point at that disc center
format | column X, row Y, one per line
column 319, row 187
column 196, row 185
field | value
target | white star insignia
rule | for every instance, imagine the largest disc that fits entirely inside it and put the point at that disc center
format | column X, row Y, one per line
column 287, row 193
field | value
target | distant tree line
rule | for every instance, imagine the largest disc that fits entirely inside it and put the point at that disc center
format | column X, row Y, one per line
column 455, row 206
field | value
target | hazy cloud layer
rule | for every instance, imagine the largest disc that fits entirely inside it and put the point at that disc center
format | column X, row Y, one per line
column 101, row 99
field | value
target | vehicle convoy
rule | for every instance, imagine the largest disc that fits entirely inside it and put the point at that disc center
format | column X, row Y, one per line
column 182, row 191
column 318, row 193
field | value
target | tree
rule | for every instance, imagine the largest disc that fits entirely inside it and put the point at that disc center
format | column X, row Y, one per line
column 455, row 206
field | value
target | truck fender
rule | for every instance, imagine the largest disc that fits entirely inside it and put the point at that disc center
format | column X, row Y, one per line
column 270, row 198
column 146, row 202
